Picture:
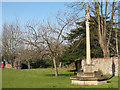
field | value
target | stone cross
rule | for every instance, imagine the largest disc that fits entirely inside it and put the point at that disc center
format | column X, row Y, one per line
column 87, row 16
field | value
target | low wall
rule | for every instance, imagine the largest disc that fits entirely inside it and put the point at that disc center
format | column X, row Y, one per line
column 107, row 65
column 8, row 66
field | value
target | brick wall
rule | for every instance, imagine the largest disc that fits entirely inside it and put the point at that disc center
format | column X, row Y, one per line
column 107, row 65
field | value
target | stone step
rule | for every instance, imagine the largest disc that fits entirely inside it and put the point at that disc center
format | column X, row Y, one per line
column 102, row 78
column 82, row 74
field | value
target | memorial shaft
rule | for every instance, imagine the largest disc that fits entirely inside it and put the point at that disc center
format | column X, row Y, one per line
column 87, row 16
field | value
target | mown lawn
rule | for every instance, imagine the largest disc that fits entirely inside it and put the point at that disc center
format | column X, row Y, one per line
column 44, row 78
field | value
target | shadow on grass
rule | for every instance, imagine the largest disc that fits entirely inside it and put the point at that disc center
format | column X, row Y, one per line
column 111, row 77
column 75, row 71
column 65, row 75
column 108, row 81
column 72, row 70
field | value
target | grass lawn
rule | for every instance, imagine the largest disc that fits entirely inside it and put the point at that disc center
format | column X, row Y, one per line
column 44, row 78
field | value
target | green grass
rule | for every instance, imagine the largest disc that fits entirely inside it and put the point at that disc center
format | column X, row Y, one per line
column 44, row 78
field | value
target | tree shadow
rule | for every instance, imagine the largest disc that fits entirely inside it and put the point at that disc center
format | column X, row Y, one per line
column 76, row 71
column 73, row 70
column 113, row 70
column 65, row 75
column 108, row 81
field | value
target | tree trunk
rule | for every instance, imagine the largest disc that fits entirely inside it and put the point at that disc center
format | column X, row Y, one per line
column 103, row 47
column 111, row 29
column 105, row 52
column 101, row 33
column 102, row 26
column 55, row 66
column 116, row 37
column 60, row 65
column 104, row 35
column 12, row 63
column 28, row 65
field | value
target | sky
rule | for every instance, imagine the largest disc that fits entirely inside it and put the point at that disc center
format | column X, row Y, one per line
column 25, row 11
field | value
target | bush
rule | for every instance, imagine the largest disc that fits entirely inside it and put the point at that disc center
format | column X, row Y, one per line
column 24, row 66
column 41, row 64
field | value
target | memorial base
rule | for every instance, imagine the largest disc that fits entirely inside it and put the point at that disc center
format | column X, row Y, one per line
column 89, row 77
column 77, row 82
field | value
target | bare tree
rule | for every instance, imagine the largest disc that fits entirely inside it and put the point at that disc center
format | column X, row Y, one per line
column 105, row 12
column 102, row 27
column 116, row 37
column 10, row 42
column 48, row 36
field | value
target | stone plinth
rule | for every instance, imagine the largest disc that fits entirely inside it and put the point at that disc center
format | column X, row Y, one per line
column 88, row 68
column 77, row 82
column 82, row 74
column 101, row 78
column 83, row 78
